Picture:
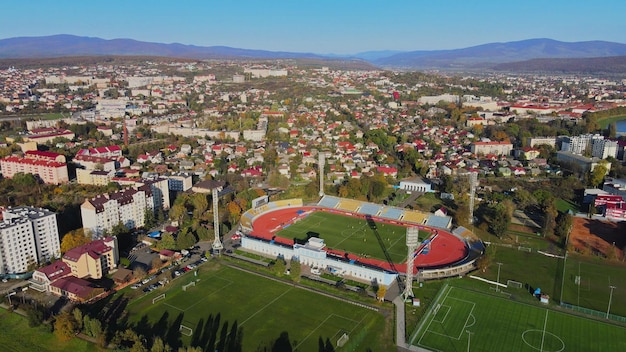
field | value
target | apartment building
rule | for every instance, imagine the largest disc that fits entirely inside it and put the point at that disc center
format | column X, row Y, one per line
column 604, row 148
column 128, row 207
column 578, row 144
column 50, row 172
column 94, row 259
column 497, row 148
column 27, row 236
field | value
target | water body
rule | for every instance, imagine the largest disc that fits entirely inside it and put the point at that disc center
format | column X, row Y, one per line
column 621, row 126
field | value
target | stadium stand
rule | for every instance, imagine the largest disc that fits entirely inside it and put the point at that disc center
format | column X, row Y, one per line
column 287, row 203
column 329, row 202
column 349, row 205
column 370, row 209
column 416, row 217
column 391, row 213
column 442, row 222
column 463, row 233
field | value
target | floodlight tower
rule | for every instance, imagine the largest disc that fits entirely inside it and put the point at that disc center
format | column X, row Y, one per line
column 473, row 180
column 217, row 244
column 411, row 242
column 322, row 162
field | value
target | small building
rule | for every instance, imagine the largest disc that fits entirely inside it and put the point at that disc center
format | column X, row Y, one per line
column 416, row 184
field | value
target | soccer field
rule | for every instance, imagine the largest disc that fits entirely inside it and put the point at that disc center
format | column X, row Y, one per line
column 230, row 305
column 459, row 317
column 588, row 285
column 352, row 235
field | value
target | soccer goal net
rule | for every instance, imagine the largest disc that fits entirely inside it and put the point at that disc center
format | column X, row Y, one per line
column 185, row 287
column 185, row 330
column 514, row 284
column 158, row 298
column 343, row 340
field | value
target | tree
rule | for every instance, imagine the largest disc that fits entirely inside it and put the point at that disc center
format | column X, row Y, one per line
column 564, row 223
column 78, row 317
column 596, row 176
column 279, row 266
column 35, row 316
column 74, row 239
column 380, row 293
column 185, row 239
column 550, row 218
column 295, row 270
column 167, row 241
column 159, row 346
column 65, row 326
column 149, row 219
column 200, row 204
column 500, row 220
column 486, row 259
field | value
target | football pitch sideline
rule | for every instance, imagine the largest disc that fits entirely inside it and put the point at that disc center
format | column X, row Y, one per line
column 260, row 308
column 460, row 320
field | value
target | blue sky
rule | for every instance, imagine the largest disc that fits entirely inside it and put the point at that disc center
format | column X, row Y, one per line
column 321, row 26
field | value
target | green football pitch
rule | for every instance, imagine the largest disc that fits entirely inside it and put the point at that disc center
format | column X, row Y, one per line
column 226, row 302
column 353, row 235
column 459, row 317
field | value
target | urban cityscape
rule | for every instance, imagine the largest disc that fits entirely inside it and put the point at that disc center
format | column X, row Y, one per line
column 266, row 195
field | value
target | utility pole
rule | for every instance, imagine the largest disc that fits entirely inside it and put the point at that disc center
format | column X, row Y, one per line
column 564, row 264
column 608, row 310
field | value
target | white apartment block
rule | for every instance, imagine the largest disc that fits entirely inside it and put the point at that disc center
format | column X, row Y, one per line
column 578, row 144
column 497, row 148
column 50, row 172
column 433, row 100
column 128, row 207
column 535, row 141
column 180, row 182
column 27, row 236
column 604, row 148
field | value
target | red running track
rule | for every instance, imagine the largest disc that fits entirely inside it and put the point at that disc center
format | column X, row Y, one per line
column 445, row 249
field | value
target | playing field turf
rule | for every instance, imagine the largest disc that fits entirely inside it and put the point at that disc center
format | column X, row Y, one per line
column 488, row 323
column 587, row 284
column 352, row 235
column 263, row 309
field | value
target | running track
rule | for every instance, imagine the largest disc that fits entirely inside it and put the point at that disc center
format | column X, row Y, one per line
column 445, row 249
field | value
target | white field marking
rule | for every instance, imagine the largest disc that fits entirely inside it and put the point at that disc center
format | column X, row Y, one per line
column 265, row 306
column 322, row 323
column 419, row 342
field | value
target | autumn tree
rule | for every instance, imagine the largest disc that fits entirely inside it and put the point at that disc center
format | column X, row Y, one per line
column 596, row 176
column 185, row 239
column 65, row 326
column 564, row 224
column 167, row 241
column 74, row 239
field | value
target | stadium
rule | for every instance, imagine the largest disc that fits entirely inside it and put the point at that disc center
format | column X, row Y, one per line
column 332, row 235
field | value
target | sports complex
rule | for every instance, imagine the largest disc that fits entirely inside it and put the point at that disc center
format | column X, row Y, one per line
column 360, row 240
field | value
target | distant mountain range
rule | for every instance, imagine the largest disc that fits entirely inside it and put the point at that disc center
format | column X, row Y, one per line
column 487, row 56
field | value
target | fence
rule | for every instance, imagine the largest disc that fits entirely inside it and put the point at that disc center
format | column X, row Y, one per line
column 594, row 313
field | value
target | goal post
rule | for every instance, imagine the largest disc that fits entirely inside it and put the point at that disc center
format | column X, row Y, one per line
column 158, row 298
column 514, row 284
column 185, row 330
column 192, row 283
column 343, row 340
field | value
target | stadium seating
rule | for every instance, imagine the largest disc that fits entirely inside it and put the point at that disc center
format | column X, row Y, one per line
column 349, row 205
column 329, row 202
column 391, row 213
column 416, row 217
column 370, row 209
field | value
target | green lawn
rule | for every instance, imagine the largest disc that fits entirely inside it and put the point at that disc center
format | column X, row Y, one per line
column 491, row 323
column 16, row 336
column 593, row 290
column 604, row 123
column 352, row 235
column 563, row 205
column 231, row 304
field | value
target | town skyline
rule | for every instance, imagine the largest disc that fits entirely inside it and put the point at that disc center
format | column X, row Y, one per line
column 323, row 27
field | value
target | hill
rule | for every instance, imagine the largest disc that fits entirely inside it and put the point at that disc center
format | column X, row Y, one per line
column 612, row 64
column 489, row 55
column 484, row 56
